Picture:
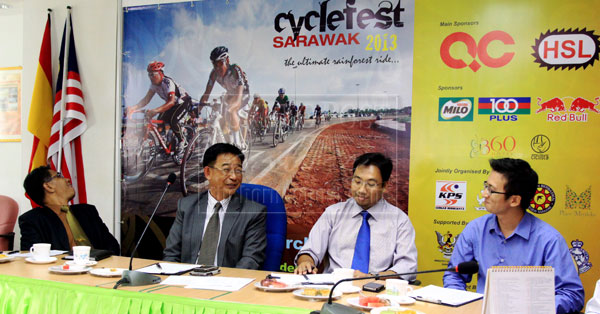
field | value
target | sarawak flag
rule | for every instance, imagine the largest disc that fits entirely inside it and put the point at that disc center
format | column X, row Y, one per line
column 40, row 111
column 73, row 119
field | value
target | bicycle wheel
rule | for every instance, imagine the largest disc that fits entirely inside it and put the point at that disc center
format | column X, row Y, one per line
column 188, row 135
column 247, row 147
column 276, row 129
column 292, row 124
column 191, row 172
column 138, row 159
column 282, row 133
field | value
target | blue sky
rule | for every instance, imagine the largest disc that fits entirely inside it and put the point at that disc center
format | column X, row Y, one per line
column 182, row 35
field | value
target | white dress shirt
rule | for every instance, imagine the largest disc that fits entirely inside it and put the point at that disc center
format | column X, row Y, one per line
column 392, row 238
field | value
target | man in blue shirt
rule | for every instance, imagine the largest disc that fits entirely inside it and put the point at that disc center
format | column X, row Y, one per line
column 509, row 236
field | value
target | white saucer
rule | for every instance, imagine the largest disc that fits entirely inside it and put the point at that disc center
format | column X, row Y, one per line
column 6, row 259
column 402, row 300
column 276, row 289
column 348, row 289
column 52, row 259
column 107, row 272
column 58, row 269
column 89, row 263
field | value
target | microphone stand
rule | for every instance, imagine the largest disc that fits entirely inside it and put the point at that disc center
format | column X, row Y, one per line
column 137, row 278
column 336, row 308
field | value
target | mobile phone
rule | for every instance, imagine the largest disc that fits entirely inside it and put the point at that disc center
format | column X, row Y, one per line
column 373, row 287
column 205, row 270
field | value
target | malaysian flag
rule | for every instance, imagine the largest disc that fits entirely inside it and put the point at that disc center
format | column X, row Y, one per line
column 68, row 120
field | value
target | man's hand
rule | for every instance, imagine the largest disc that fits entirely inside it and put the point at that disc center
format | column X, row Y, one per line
column 131, row 110
column 306, row 265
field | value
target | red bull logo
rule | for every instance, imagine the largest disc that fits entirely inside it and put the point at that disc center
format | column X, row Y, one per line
column 556, row 109
column 566, row 49
column 581, row 105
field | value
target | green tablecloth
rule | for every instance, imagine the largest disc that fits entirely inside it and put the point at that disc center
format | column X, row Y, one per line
column 25, row 295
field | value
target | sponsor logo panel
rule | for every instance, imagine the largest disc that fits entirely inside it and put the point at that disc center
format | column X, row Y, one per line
column 456, row 109
column 567, row 109
column 540, row 144
column 480, row 53
column 581, row 256
column 451, row 195
column 543, row 200
column 566, row 49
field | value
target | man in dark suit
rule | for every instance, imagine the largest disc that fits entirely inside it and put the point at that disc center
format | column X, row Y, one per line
column 219, row 227
column 56, row 222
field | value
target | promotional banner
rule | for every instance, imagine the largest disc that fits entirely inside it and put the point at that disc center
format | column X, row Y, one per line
column 352, row 59
column 505, row 79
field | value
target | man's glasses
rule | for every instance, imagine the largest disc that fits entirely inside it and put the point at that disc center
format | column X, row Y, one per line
column 371, row 184
column 228, row 171
column 488, row 188
column 57, row 175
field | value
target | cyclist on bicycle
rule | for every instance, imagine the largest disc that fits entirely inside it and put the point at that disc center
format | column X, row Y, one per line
column 283, row 104
column 177, row 100
column 259, row 106
column 318, row 113
column 301, row 111
column 293, row 112
column 233, row 79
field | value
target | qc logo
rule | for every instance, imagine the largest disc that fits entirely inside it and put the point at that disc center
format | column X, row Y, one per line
column 543, row 199
column 477, row 50
column 450, row 195
column 566, row 49
column 456, row 109
column 504, row 108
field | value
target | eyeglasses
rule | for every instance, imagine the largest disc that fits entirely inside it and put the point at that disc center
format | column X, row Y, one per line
column 228, row 171
column 488, row 188
column 371, row 184
column 152, row 74
column 57, row 175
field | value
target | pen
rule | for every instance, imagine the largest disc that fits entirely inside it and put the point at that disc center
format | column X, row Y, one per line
column 430, row 300
column 305, row 277
column 158, row 266
column 12, row 252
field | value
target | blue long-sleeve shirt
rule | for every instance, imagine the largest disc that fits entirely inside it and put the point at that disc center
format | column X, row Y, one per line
column 533, row 243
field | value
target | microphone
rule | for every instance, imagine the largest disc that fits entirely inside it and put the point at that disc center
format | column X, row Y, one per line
column 465, row 268
column 136, row 278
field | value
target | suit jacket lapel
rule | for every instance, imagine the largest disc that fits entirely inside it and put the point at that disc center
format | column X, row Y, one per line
column 198, row 228
column 231, row 215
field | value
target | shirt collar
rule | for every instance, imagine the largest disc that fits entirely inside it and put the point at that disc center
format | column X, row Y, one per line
column 377, row 211
column 523, row 229
column 224, row 203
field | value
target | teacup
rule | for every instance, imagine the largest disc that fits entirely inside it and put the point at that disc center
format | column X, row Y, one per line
column 397, row 287
column 40, row 251
column 81, row 255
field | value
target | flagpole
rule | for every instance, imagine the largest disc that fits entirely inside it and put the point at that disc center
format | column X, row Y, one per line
column 63, row 93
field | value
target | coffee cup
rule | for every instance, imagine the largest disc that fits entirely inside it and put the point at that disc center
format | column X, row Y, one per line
column 397, row 287
column 343, row 273
column 40, row 251
column 81, row 255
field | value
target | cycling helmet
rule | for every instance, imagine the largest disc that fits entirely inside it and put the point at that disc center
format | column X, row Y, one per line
column 155, row 66
column 256, row 95
column 219, row 53
column 281, row 91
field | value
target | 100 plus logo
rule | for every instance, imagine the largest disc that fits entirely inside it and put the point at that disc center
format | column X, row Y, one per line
column 477, row 51
column 504, row 108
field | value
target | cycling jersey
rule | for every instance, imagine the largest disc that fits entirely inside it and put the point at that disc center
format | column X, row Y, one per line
column 260, row 106
column 168, row 87
column 293, row 110
column 283, row 102
column 302, row 109
column 318, row 111
column 233, row 78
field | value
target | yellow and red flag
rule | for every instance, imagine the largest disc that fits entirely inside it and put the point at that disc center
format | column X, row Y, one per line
column 42, row 102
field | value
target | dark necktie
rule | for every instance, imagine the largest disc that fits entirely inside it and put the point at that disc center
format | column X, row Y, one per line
column 208, row 250
column 362, row 247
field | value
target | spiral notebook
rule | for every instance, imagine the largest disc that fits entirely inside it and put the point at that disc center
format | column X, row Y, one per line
column 519, row 290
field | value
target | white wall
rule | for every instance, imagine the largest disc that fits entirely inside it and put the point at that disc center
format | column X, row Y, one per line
column 95, row 29
column 11, row 161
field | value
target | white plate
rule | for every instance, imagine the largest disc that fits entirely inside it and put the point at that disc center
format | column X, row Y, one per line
column 300, row 293
column 354, row 302
column 107, row 272
column 402, row 300
column 349, row 289
column 6, row 259
column 273, row 289
column 378, row 310
column 58, row 269
column 89, row 263
column 52, row 259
